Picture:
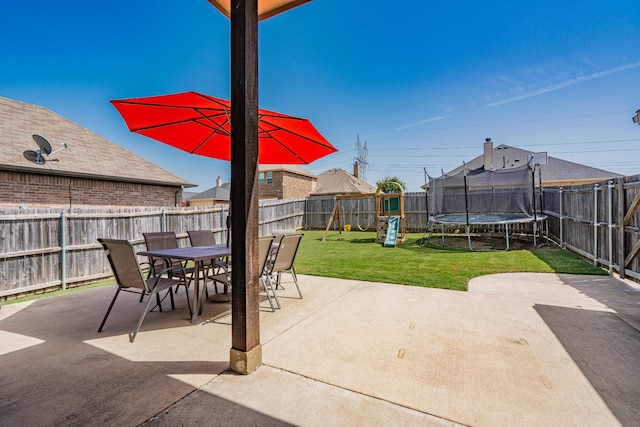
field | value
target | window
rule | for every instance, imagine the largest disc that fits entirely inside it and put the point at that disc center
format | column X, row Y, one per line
column 265, row 178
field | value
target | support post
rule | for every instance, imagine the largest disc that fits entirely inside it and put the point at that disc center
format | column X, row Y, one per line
column 246, row 352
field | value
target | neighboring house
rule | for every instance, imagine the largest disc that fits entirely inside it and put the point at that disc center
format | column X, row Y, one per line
column 340, row 182
column 284, row 181
column 186, row 195
column 90, row 171
column 274, row 182
column 212, row 196
column 556, row 172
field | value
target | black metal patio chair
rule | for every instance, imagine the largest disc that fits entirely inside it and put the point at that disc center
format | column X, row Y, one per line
column 129, row 278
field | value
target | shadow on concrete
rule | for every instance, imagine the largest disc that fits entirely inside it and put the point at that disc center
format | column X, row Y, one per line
column 212, row 410
column 605, row 346
column 58, row 378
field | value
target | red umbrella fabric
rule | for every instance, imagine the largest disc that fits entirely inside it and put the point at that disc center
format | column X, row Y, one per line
column 200, row 124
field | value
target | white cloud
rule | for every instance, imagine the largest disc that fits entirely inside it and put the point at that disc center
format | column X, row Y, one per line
column 421, row 122
column 566, row 83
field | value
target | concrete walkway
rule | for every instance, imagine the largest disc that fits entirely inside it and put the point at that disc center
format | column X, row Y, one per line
column 517, row 349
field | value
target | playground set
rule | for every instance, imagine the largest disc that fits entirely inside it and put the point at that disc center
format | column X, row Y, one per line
column 390, row 221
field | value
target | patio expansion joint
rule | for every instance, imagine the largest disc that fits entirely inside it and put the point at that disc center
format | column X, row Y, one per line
column 168, row 408
column 367, row 396
column 625, row 321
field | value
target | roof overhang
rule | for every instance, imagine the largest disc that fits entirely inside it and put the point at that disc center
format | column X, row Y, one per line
column 266, row 8
column 70, row 174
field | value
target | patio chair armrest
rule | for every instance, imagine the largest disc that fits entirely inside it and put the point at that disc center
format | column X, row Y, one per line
column 182, row 273
column 219, row 262
column 146, row 266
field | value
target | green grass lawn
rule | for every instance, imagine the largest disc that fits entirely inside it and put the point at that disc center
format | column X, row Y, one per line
column 46, row 294
column 356, row 255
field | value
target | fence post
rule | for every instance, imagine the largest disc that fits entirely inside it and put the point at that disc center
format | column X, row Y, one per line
column 335, row 200
column 163, row 220
column 621, row 211
column 261, row 221
column 304, row 217
column 63, row 251
column 610, row 221
column 596, row 187
column 224, row 223
column 561, row 219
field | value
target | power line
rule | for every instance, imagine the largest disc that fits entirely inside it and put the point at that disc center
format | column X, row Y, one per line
column 498, row 123
column 542, row 144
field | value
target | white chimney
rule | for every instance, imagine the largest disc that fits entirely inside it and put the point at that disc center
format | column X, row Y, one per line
column 488, row 154
column 356, row 170
column 219, row 182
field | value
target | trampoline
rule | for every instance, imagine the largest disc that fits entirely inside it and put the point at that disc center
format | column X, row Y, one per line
column 483, row 198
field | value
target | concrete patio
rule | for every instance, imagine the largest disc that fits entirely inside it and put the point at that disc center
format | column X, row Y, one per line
column 516, row 349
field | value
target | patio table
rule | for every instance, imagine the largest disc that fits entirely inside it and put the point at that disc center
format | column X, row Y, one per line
column 200, row 255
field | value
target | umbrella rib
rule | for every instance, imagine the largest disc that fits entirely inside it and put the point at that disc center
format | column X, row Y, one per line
column 267, row 134
column 217, row 129
column 207, row 121
column 214, row 126
column 214, row 112
column 280, row 128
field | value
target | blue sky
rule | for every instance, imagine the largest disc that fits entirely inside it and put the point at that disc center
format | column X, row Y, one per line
column 423, row 83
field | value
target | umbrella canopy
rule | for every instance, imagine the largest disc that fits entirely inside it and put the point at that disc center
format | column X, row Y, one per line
column 201, row 124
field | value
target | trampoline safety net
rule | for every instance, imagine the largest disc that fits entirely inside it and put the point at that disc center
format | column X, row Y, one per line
column 483, row 196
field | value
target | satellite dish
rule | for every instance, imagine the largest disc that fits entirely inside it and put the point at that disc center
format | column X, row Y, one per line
column 45, row 148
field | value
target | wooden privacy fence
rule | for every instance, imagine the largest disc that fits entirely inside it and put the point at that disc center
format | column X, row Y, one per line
column 360, row 213
column 598, row 221
column 46, row 248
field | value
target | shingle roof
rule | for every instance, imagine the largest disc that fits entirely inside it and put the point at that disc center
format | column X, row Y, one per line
column 338, row 181
column 186, row 195
column 287, row 168
column 555, row 171
column 220, row 192
column 88, row 155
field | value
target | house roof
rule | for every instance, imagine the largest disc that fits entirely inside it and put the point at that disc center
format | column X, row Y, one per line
column 219, row 192
column 186, row 195
column 338, row 181
column 295, row 169
column 555, row 172
column 87, row 155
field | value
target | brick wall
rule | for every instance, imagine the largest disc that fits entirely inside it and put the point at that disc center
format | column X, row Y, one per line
column 297, row 185
column 34, row 190
column 287, row 185
column 273, row 190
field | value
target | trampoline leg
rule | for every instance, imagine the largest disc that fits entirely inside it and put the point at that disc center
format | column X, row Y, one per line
column 468, row 229
column 535, row 233
column 506, row 231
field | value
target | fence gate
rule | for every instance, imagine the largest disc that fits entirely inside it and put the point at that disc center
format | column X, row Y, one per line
column 629, row 230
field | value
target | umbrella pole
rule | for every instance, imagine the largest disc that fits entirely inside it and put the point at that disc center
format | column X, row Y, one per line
column 246, row 351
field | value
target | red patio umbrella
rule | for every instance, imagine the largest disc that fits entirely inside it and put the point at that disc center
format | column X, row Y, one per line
column 201, row 124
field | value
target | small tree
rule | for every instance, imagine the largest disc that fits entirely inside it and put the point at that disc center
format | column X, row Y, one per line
column 391, row 188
